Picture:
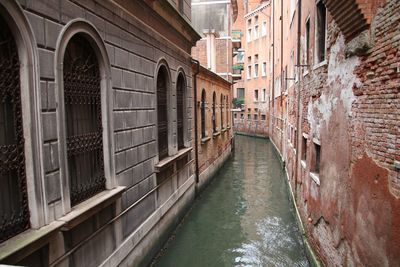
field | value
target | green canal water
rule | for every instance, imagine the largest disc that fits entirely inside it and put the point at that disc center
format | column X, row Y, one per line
column 243, row 218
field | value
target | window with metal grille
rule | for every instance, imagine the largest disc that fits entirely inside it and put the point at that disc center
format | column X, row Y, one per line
column 14, row 211
column 180, row 99
column 222, row 112
column 180, row 6
column 227, row 110
column 82, row 96
column 214, row 119
column 203, row 113
column 162, row 113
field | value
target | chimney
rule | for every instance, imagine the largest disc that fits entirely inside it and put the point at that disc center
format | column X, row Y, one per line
column 211, row 49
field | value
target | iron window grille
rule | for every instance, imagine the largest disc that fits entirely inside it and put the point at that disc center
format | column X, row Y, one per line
column 214, row 123
column 222, row 112
column 180, row 110
column 203, row 113
column 162, row 114
column 14, row 210
column 82, row 95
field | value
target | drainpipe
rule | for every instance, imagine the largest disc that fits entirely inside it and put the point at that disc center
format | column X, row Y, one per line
column 196, row 149
column 298, row 99
column 282, row 83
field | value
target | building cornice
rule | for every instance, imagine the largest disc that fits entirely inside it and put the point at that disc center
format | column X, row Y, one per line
column 258, row 9
column 165, row 19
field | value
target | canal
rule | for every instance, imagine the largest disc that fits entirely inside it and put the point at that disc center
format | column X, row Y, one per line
column 243, row 218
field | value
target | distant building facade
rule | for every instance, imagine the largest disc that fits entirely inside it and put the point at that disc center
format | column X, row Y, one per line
column 252, row 88
column 96, row 150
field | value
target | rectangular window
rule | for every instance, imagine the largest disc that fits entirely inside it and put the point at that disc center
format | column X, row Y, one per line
column 264, row 28
column 256, row 95
column 263, row 117
column 249, row 72
column 249, row 110
column 249, row 116
column 235, row 115
column 241, row 115
column 240, row 93
column 264, row 95
column 255, row 32
column 248, row 36
column 307, row 57
column 256, row 70
column 320, row 32
column 264, row 69
column 317, row 165
column 255, row 117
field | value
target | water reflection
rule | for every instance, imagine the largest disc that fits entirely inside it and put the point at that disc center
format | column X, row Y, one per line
column 243, row 219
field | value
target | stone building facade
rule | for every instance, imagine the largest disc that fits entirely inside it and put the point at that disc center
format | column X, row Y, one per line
column 95, row 129
column 336, row 125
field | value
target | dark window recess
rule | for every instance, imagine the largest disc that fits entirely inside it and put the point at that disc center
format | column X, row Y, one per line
column 180, row 99
column 214, row 119
column 83, row 120
column 304, row 149
column 222, row 111
column 14, row 212
column 227, row 110
column 162, row 113
column 308, row 42
column 203, row 113
column 317, row 158
column 180, row 6
column 321, row 31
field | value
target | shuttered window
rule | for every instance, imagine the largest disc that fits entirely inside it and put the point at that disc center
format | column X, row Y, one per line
column 14, row 211
column 203, row 113
column 82, row 97
column 162, row 113
column 180, row 98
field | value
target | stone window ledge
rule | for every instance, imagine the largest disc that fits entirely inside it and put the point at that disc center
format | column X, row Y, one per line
column 223, row 130
column 205, row 139
column 303, row 164
column 87, row 208
column 33, row 238
column 315, row 177
column 170, row 159
column 228, row 127
column 216, row 134
column 320, row 64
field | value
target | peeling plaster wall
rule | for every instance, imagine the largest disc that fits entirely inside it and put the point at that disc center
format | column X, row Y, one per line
column 351, row 107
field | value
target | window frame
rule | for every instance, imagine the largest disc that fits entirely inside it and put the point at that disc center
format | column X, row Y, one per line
column 317, row 60
column 88, row 30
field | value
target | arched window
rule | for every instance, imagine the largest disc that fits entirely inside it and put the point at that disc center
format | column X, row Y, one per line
column 227, row 111
column 14, row 210
column 203, row 114
column 162, row 112
column 180, row 105
column 214, row 119
column 222, row 112
column 82, row 97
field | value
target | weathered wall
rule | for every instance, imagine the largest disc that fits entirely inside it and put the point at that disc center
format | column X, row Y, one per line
column 215, row 144
column 349, row 106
